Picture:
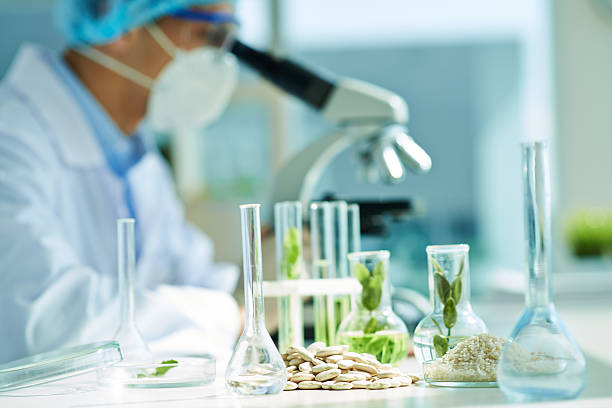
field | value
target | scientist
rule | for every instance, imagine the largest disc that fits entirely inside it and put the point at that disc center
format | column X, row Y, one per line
column 76, row 154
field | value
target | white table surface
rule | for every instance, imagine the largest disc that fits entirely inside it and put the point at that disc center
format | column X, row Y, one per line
column 590, row 321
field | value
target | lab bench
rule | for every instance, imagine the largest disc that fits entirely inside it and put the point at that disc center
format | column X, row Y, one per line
column 589, row 319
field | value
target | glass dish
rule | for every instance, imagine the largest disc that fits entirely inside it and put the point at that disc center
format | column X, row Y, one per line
column 454, row 383
column 178, row 371
column 58, row 364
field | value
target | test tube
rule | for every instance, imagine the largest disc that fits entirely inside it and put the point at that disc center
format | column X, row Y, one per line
column 323, row 267
column 342, row 303
column 133, row 347
column 354, row 228
column 289, row 266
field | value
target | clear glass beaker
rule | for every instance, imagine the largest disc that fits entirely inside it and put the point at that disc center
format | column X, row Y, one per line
column 540, row 360
column 256, row 366
column 289, row 266
column 372, row 326
column 133, row 347
column 452, row 319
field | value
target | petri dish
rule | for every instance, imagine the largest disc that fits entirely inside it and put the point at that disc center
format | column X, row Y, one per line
column 168, row 371
column 58, row 364
column 449, row 382
column 463, row 384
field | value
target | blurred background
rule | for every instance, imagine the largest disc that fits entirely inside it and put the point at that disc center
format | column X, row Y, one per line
column 479, row 77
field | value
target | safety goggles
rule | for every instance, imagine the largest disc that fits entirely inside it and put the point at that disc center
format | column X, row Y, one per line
column 220, row 30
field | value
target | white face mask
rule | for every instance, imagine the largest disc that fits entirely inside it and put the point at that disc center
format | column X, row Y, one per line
column 192, row 91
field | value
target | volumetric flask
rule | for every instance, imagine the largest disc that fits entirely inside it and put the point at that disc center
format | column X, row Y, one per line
column 541, row 360
column 256, row 366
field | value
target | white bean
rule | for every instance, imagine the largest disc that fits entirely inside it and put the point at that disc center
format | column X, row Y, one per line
column 346, row 364
column 309, row 385
column 296, row 362
column 305, row 367
column 350, row 377
column 290, row 386
column 361, row 383
column 299, row 377
column 323, row 367
column 330, row 351
column 342, row 386
column 315, row 347
column 379, row 385
column 327, row 375
column 334, row 359
column 365, row 367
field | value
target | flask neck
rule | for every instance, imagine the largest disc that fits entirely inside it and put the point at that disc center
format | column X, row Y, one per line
column 126, row 267
column 536, row 184
column 126, row 295
column 254, row 302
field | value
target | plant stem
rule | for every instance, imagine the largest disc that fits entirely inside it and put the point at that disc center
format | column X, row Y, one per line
column 449, row 333
column 437, row 325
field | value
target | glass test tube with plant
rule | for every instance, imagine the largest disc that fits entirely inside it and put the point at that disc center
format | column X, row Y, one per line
column 288, row 236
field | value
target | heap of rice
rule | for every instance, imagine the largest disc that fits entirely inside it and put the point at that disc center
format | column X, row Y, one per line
column 474, row 359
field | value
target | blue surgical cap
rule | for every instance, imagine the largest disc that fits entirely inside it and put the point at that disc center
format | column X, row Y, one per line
column 101, row 21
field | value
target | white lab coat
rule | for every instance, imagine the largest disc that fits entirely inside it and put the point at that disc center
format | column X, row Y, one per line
column 58, row 205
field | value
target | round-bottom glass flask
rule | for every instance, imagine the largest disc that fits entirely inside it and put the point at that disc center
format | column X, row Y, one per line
column 372, row 326
column 452, row 319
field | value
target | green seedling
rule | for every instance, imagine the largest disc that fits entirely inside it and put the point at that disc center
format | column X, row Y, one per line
column 371, row 291
column 450, row 295
column 291, row 254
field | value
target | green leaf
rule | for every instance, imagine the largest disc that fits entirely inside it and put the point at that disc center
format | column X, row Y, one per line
column 370, row 326
column 361, row 273
column 440, row 344
column 455, row 288
column 437, row 324
column 160, row 371
column 437, row 266
column 371, row 294
column 291, row 254
column 449, row 314
column 461, row 266
column 442, row 287
column 371, row 284
column 379, row 271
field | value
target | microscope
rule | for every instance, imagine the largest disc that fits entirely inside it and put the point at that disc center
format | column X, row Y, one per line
column 365, row 114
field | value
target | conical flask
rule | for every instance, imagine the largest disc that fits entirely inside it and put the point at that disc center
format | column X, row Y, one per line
column 133, row 347
column 256, row 366
column 541, row 360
